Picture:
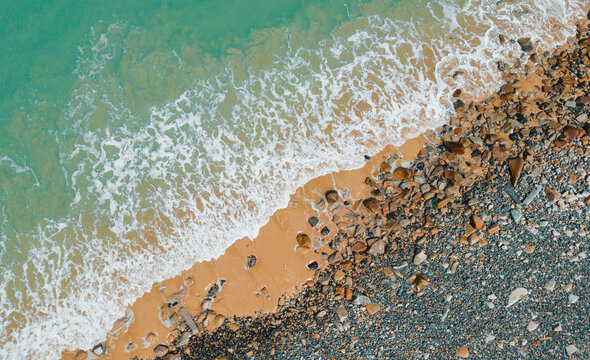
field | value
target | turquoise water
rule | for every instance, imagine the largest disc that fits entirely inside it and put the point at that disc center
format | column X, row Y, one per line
column 137, row 138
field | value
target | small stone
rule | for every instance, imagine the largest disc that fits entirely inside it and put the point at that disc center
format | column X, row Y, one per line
column 516, row 295
column 568, row 287
column 377, row 248
column 304, row 241
column 313, row 221
column 573, row 298
column 552, row 195
column 332, row 196
column 550, row 286
column 525, row 44
column 342, row 313
column 572, row 132
column 161, row 350
column 358, row 247
column 494, row 228
column 462, row 352
column 532, row 326
column 420, row 257
column 489, row 338
column 558, row 328
column 339, row 276
column 454, row 147
column 372, row 308
column 403, row 174
column 387, row 272
column 476, row 222
column 372, row 204
column 530, row 249
column 99, row 349
column 515, row 166
column 571, row 349
column 516, row 215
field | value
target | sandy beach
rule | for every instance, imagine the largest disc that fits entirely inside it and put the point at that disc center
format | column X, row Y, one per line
column 467, row 242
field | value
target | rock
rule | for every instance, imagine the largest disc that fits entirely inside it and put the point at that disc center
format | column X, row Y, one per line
column 304, row 241
column 529, row 199
column 339, row 276
column 572, row 132
column 516, row 215
column 573, row 298
column 312, row 266
column 371, row 204
column 552, row 195
column 457, row 93
column 525, row 44
column 98, row 349
column 489, row 338
column 420, row 282
column 377, row 248
column 359, row 247
column 161, row 350
column 372, row 308
column 530, row 249
column 188, row 319
column 313, row 221
column 81, row 355
column 441, row 203
column 342, row 313
column 515, row 166
column 454, row 147
column 251, row 261
column 403, row 174
column 419, row 257
column 571, row 349
column 332, row 196
column 476, row 222
column 516, row 295
column 462, row 352
column 532, row 326
column 550, row 286
column 494, row 228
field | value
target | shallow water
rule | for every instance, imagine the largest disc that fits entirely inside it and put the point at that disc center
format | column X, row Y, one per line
column 138, row 139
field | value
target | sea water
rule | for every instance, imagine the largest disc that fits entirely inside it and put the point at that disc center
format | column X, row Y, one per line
column 139, row 137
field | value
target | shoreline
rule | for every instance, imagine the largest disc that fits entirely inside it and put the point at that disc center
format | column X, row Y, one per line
column 237, row 285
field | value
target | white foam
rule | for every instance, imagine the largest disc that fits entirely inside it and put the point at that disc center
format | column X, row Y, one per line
column 232, row 151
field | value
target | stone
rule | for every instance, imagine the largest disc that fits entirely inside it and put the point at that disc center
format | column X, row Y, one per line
column 454, row 147
column 420, row 257
column 530, row 249
column 532, row 326
column 342, row 313
column 98, row 349
column 403, row 174
column 161, row 350
column 571, row 349
column 516, row 215
column 572, row 132
column 304, row 241
column 359, row 247
column 550, row 286
column 441, row 203
column 313, row 221
column 573, row 298
column 462, row 352
column 476, row 222
column 339, row 276
column 372, row 308
column 516, row 295
column 332, row 196
column 188, row 319
column 525, row 44
column 377, row 248
column 515, row 166
column 371, row 204
column 494, row 228
column 552, row 195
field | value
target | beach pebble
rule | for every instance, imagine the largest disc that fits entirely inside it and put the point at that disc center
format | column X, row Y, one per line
column 516, row 215
column 550, row 286
column 573, row 298
column 516, row 295
column 419, row 257
column 372, row 308
column 462, row 352
column 339, row 276
column 571, row 349
column 161, row 350
column 342, row 313
column 489, row 338
column 532, row 326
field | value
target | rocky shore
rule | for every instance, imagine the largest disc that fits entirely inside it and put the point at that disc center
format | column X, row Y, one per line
column 479, row 249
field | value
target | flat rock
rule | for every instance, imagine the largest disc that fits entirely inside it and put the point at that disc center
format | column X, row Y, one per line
column 419, row 257
column 551, row 194
column 462, row 352
column 515, row 166
column 372, row 204
column 516, row 295
column 372, row 308
column 476, row 222
column 454, row 147
column 403, row 174
column 331, row 196
column 377, row 248
column 525, row 43
column 342, row 313
column 571, row 349
column 303, row 240
column 532, row 326
column 161, row 350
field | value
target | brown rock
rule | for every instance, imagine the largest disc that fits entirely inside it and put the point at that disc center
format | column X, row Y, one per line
column 457, row 93
column 372, row 204
column 572, row 132
column 500, row 153
column 552, row 195
column 587, row 200
column 403, row 174
column 359, row 246
column 455, row 147
column 384, row 167
column 372, row 308
column 525, row 44
column 345, row 265
column 493, row 229
column 377, row 248
column 332, row 196
column 583, row 100
column 161, row 350
column 304, row 241
column 585, row 42
column 420, row 282
column 441, row 203
column 462, row 352
column 476, row 222
column 515, row 166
